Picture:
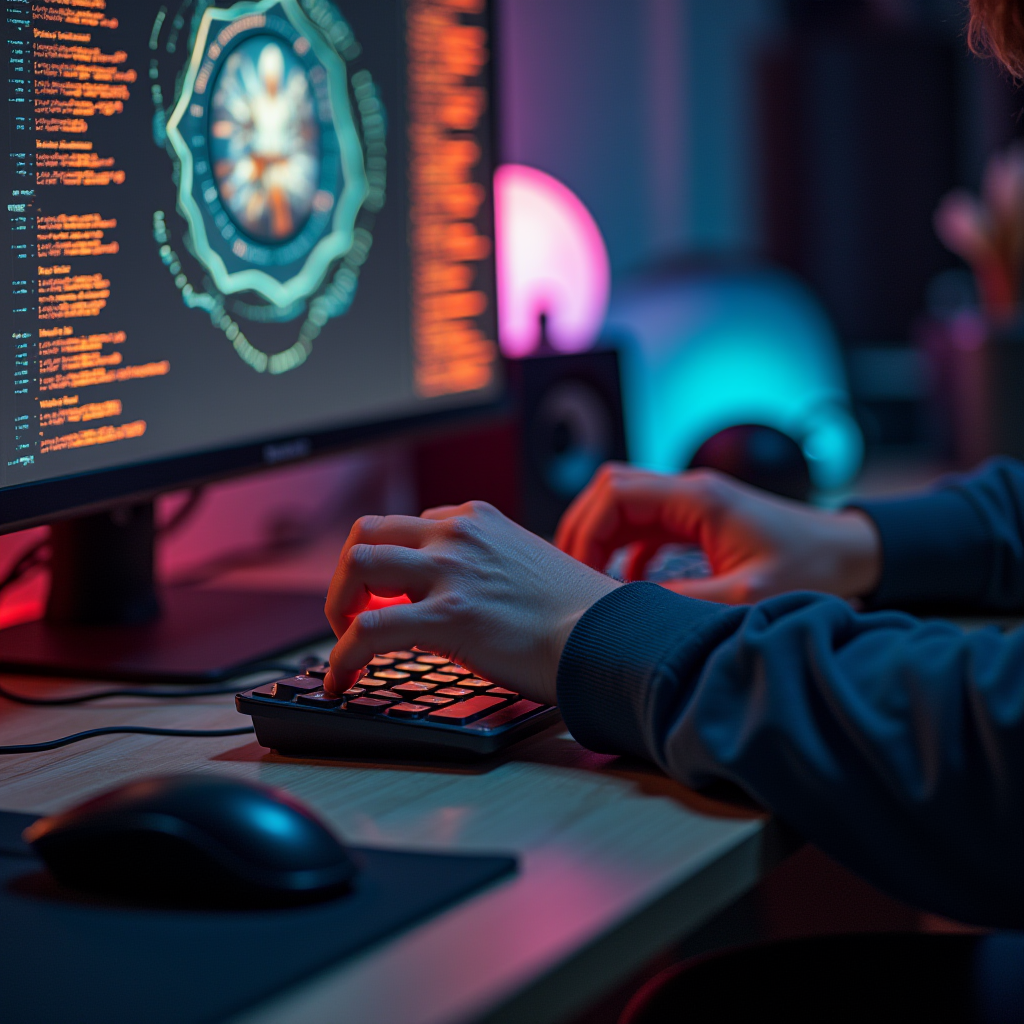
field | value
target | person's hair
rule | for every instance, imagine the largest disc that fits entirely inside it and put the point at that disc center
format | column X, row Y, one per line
column 997, row 29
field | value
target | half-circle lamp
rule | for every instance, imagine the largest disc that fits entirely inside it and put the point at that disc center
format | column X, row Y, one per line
column 553, row 269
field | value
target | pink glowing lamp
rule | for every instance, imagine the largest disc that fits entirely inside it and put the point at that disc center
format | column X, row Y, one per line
column 552, row 264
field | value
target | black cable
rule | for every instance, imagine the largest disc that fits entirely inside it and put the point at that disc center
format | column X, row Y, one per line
column 141, row 730
column 31, row 558
column 85, row 698
column 184, row 513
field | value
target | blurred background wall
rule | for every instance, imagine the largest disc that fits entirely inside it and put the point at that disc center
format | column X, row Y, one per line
column 817, row 134
column 645, row 108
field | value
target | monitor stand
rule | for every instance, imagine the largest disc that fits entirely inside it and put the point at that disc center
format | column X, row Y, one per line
column 106, row 619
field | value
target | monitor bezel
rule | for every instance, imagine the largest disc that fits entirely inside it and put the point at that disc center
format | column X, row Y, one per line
column 39, row 503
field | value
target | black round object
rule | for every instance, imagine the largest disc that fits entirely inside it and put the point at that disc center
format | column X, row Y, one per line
column 197, row 838
column 760, row 456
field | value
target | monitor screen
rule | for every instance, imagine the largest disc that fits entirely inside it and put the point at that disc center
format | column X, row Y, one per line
column 238, row 232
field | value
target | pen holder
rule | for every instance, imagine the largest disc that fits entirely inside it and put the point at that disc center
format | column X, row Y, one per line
column 976, row 372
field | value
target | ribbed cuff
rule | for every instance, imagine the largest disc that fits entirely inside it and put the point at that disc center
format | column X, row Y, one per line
column 613, row 665
column 935, row 550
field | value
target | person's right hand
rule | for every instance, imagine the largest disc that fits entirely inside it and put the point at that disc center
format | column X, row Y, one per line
column 758, row 545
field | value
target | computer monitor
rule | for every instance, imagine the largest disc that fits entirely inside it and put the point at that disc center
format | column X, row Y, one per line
column 241, row 233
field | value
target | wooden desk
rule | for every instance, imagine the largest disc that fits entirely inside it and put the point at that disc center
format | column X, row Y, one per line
column 616, row 862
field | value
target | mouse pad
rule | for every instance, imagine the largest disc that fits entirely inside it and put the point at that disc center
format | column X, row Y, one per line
column 80, row 960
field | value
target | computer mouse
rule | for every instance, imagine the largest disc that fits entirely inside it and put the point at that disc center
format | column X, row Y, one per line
column 198, row 838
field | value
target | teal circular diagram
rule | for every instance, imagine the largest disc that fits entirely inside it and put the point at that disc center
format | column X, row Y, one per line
column 271, row 174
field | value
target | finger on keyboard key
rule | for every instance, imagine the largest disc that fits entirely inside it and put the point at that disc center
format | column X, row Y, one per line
column 465, row 711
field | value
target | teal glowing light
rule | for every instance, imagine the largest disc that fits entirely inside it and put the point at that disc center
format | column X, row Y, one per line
column 705, row 351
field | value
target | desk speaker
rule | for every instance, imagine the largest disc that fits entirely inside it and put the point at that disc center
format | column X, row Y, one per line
column 567, row 421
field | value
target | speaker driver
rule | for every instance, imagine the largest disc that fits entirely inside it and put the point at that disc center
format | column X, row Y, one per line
column 571, row 436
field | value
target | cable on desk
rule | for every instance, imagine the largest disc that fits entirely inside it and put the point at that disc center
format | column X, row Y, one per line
column 212, row 690
column 141, row 730
column 85, row 698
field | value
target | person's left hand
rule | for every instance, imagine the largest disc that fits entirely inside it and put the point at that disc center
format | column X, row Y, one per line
column 483, row 591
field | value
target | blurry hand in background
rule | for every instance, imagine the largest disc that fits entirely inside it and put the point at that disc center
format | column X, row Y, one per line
column 758, row 545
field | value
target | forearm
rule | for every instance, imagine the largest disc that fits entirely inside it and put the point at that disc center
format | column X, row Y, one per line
column 896, row 746
column 961, row 545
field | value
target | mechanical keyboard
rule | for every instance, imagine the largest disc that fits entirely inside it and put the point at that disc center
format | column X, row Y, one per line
column 408, row 704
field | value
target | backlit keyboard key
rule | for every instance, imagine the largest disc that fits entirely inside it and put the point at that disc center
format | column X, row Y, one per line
column 407, row 710
column 455, row 692
column 465, row 711
column 285, row 689
column 476, row 684
column 319, row 699
column 355, row 691
column 414, row 689
column 413, row 666
column 387, row 695
column 429, row 698
column 367, row 706
column 458, row 670
column 380, row 662
column 441, row 678
column 432, row 659
column 506, row 716
column 390, row 674
column 270, row 691
column 500, row 691
column 399, row 655
column 318, row 671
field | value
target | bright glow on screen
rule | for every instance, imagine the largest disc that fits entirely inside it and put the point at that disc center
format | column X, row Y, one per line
column 707, row 351
column 551, row 260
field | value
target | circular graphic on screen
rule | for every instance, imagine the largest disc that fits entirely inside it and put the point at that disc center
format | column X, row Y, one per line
column 272, row 174
column 277, row 135
column 265, row 140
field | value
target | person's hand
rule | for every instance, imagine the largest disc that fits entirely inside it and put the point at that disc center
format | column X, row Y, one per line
column 758, row 545
column 483, row 591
